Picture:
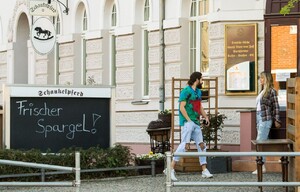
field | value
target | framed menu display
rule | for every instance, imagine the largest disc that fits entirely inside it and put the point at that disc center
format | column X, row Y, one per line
column 241, row 59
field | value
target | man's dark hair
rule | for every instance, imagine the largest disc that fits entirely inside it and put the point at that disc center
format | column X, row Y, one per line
column 194, row 76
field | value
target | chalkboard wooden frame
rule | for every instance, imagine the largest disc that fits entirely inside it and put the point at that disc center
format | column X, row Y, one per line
column 54, row 117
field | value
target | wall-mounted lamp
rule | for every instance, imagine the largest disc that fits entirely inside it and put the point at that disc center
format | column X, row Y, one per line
column 66, row 11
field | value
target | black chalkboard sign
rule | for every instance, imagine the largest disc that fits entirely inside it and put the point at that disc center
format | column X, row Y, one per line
column 56, row 123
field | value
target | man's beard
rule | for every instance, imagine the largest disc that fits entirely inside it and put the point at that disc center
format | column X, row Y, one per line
column 199, row 86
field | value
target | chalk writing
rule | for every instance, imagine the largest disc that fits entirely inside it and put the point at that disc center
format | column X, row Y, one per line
column 68, row 129
column 26, row 108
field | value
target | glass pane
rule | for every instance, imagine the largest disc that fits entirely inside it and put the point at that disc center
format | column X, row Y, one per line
column 193, row 46
column 201, row 7
column 146, row 11
column 283, row 57
column 84, row 21
column 204, row 47
column 114, row 16
column 206, row 7
column 194, row 8
column 146, row 64
column 113, row 60
column 58, row 25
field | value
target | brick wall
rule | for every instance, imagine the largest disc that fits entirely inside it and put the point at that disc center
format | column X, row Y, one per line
column 284, row 48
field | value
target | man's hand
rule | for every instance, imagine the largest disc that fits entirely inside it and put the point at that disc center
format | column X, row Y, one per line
column 207, row 121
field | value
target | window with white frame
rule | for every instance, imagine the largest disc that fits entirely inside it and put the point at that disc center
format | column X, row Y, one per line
column 199, row 44
column 84, row 21
column 83, row 49
column 146, row 11
column 145, row 52
column 56, row 52
column 114, row 16
column 113, row 67
column 145, row 67
column 58, row 26
column 112, row 59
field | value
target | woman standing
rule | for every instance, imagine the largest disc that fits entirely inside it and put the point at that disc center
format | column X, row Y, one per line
column 267, row 108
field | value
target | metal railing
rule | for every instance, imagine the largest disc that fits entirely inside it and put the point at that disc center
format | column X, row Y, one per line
column 76, row 170
column 43, row 173
column 169, row 183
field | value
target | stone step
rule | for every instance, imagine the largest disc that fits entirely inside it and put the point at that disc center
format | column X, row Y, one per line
column 250, row 165
column 238, row 164
column 191, row 164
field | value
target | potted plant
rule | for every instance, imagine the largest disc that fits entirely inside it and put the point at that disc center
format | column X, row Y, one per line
column 145, row 159
column 163, row 121
column 165, row 116
column 211, row 134
column 211, row 131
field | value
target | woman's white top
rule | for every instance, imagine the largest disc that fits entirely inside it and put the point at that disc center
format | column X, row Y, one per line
column 258, row 98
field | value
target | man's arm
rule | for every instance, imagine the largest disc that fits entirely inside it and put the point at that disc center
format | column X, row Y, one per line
column 183, row 111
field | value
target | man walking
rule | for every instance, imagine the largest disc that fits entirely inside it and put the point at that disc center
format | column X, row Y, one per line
column 190, row 109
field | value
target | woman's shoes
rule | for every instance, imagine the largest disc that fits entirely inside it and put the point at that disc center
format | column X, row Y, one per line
column 263, row 170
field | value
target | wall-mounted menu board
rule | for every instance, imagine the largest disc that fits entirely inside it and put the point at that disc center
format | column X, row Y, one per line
column 241, row 59
column 57, row 117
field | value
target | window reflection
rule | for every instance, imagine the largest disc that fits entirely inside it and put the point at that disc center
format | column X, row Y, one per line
column 283, row 57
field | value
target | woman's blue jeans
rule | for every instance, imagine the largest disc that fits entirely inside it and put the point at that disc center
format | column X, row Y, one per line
column 263, row 129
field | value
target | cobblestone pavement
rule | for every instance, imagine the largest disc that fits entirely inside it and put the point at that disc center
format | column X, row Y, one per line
column 157, row 184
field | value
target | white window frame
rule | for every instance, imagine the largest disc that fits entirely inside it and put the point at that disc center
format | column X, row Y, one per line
column 145, row 63
column 197, row 20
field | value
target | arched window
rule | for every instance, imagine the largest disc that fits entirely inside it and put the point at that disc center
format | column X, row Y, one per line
column 145, row 50
column 58, row 26
column 199, row 36
column 146, row 11
column 114, row 16
column 84, row 21
column 113, row 52
column 56, row 52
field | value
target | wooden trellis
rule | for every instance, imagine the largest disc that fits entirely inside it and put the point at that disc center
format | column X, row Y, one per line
column 293, row 125
column 210, row 103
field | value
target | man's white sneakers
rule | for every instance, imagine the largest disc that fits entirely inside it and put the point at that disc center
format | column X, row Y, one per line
column 206, row 174
column 263, row 170
column 173, row 178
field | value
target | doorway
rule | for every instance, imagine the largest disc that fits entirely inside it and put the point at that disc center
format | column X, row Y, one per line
column 283, row 57
column 282, row 53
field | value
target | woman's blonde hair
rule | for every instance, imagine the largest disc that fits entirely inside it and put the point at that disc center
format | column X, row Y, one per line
column 268, row 84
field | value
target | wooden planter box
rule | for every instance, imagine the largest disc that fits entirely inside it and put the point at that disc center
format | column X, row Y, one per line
column 219, row 164
column 159, row 166
column 214, row 164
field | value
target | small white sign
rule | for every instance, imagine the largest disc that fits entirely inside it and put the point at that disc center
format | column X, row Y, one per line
column 282, row 76
column 43, row 35
column 42, row 8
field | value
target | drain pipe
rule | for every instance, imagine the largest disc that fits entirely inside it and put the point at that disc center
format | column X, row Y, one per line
column 162, row 55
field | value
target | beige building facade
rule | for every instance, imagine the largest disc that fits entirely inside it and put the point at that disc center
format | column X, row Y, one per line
column 135, row 46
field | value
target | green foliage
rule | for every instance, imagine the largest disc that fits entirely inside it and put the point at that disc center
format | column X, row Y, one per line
column 211, row 131
column 287, row 8
column 92, row 158
column 165, row 112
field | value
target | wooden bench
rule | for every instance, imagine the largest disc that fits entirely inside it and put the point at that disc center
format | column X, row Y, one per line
column 273, row 145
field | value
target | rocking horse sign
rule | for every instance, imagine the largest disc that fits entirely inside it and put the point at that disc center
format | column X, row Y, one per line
column 43, row 35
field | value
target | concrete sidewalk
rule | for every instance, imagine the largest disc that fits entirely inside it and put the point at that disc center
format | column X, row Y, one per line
column 157, row 184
